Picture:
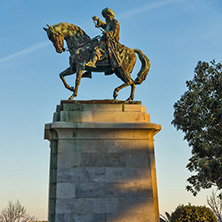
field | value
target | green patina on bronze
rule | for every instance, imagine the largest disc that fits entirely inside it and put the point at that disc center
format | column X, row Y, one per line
column 100, row 54
column 106, row 101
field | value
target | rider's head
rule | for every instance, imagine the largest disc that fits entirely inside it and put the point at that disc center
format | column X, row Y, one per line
column 107, row 12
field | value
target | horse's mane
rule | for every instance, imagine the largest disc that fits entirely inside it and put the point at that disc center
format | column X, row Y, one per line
column 76, row 30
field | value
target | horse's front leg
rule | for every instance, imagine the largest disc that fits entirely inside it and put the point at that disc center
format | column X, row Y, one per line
column 79, row 74
column 67, row 72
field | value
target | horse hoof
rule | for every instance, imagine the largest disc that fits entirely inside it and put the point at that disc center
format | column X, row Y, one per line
column 129, row 99
column 71, row 97
column 115, row 95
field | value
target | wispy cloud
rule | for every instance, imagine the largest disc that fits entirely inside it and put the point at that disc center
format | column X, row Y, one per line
column 147, row 7
column 124, row 15
column 25, row 51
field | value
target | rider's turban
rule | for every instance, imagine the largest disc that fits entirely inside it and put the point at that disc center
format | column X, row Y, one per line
column 108, row 11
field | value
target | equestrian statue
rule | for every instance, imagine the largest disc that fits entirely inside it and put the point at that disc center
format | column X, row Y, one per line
column 100, row 54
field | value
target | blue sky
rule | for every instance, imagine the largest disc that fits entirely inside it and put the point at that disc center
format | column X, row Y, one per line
column 174, row 34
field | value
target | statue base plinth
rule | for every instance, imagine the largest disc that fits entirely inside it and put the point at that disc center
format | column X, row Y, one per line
column 102, row 165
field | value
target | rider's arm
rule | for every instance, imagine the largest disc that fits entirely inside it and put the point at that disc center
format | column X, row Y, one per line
column 99, row 23
column 102, row 24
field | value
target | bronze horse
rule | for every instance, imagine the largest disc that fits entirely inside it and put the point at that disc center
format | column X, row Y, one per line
column 80, row 47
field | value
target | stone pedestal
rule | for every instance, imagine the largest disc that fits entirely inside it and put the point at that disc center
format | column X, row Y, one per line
column 102, row 165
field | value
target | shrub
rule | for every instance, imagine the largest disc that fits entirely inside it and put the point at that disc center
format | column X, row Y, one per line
column 190, row 213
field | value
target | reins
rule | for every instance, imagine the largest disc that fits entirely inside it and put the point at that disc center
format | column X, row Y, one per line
column 98, row 37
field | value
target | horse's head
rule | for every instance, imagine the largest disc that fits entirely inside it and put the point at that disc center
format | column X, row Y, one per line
column 56, row 37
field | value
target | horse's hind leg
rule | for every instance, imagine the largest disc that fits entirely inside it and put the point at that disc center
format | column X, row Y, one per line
column 67, row 72
column 117, row 89
column 123, row 86
column 133, row 86
column 127, row 81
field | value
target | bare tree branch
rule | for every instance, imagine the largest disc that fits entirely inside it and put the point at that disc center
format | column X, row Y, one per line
column 215, row 204
column 15, row 212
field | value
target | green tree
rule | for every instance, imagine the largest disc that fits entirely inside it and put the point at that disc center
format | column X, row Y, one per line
column 198, row 113
column 191, row 213
column 15, row 212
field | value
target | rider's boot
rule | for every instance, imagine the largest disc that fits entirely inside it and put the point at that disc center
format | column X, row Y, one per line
column 92, row 61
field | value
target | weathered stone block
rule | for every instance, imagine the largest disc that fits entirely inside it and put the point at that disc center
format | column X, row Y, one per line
column 69, row 160
column 116, row 190
column 81, row 175
column 132, row 108
column 81, row 217
column 131, row 217
column 105, row 205
column 72, row 205
column 104, row 160
column 76, row 116
column 66, row 190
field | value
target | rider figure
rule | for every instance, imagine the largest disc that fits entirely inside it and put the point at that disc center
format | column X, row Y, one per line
column 107, row 46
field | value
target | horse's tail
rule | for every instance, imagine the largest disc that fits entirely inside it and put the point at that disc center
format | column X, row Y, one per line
column 141, row 76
